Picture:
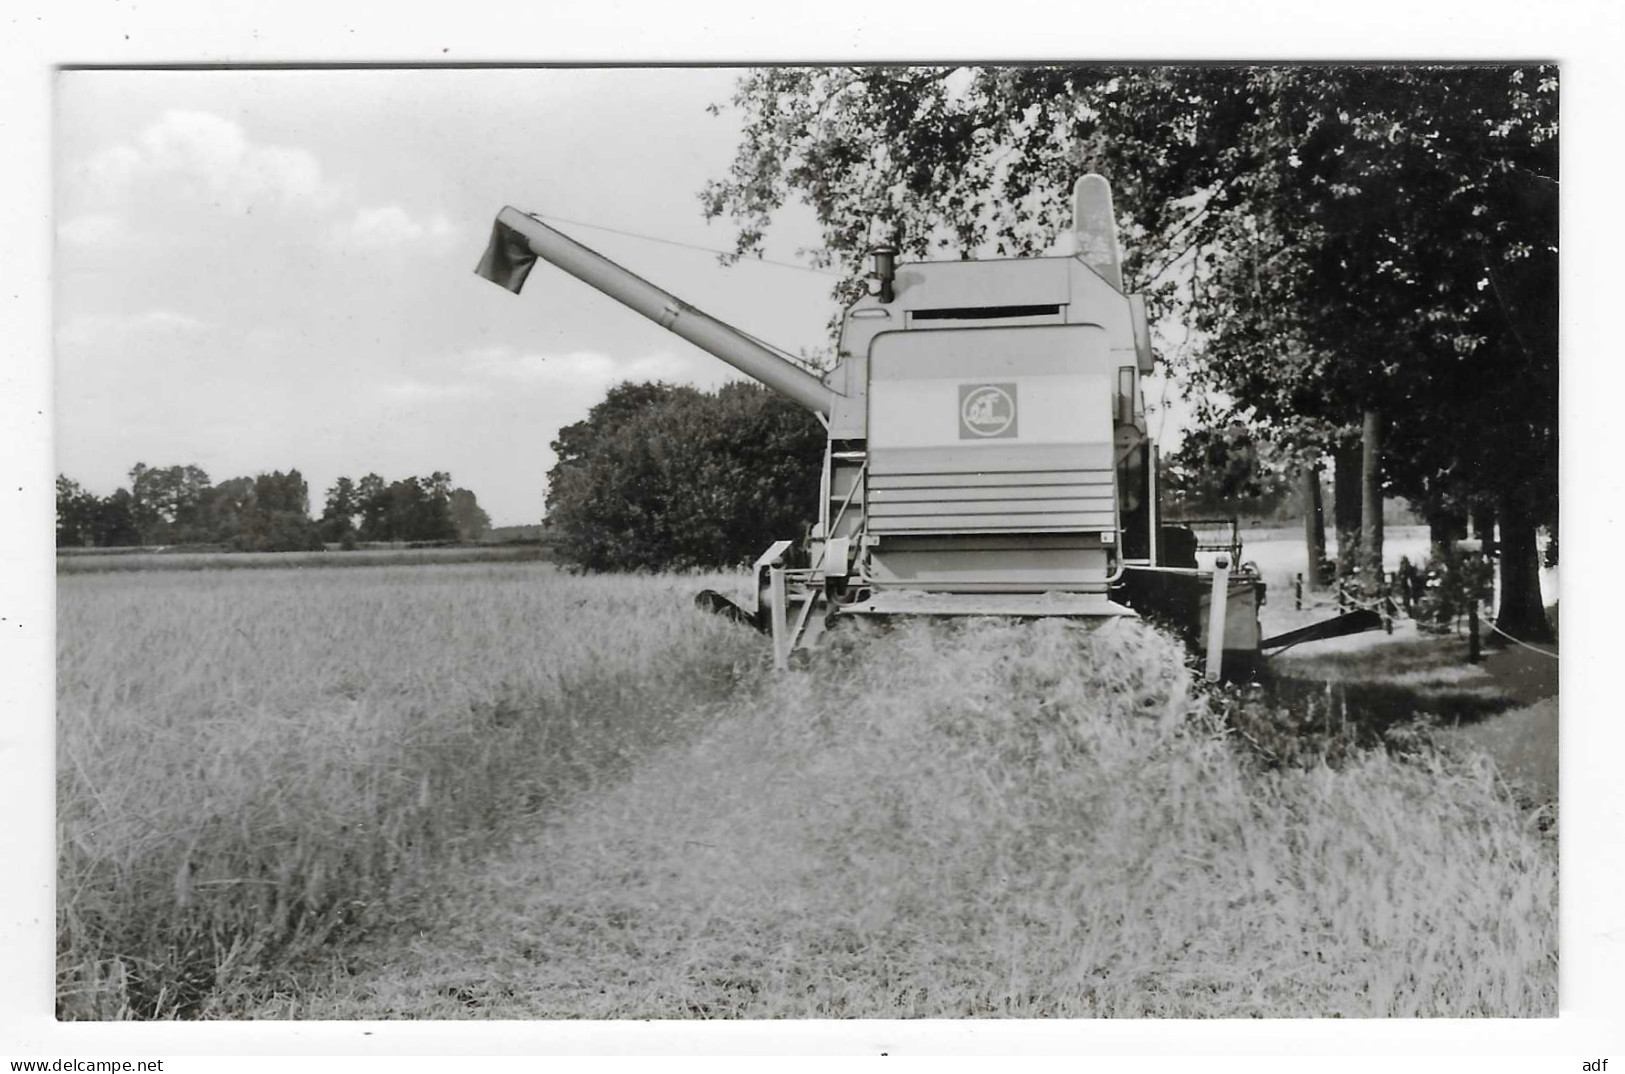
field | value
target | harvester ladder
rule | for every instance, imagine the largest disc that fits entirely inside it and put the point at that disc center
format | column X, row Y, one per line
column 857, row 483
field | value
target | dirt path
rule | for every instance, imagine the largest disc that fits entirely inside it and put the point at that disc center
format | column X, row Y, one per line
column 1506, row 705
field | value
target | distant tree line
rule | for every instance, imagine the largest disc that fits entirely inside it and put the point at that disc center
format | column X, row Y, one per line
column 270, row 512
column 411, row 509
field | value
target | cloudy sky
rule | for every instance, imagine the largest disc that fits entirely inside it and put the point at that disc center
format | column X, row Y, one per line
column 261, row 270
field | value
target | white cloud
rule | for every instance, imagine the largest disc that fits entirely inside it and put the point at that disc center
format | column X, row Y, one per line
column 380, row 227
column 111, row 170
column 417, row 391
column 94, row 229
column 576, row 368
column 157, row 322
column 209, row 158
column 168, row 320
column 559, row 386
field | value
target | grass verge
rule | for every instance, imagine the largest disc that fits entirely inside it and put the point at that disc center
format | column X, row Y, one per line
column 98, row 561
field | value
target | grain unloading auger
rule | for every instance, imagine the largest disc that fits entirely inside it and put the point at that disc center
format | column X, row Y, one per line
column 987, row 449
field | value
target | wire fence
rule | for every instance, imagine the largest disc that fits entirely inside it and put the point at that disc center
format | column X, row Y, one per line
column 1351, row 598
column 1525, row 644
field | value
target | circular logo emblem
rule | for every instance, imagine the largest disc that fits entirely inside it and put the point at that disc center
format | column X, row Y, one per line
column 988, row 411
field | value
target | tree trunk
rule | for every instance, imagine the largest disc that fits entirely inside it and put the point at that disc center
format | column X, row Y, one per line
column 1314, row 526
column 1371, row 501
column 1522, row 613
column 1445, row 528
column 1484, row 528
column 1346, row 507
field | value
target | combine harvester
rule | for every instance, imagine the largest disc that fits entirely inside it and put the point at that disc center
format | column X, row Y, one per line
column 987, row 455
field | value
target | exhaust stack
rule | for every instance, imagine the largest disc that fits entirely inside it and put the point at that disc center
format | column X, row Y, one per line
column 518, row 239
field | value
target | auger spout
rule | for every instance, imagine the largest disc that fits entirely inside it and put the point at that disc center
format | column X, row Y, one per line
column 518, row 239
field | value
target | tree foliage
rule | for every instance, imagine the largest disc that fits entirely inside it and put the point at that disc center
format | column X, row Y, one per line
column 178, row 505
column 410, row 509
column 339, row 511
column 76, row 512
column 114, row 523
column 660, row 477
column 168, row 502
column 466, row 514
column 269, row 512
column 1337, row 238
column 1220, row 471
column 265, row 513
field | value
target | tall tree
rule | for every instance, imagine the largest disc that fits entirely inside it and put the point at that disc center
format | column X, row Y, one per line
column 435, row 521
column 1371, row 501
column 340, row 509
column 277, row 518
column 372, row 496
column 167, row 499
column 75, row 514
column 230, row 511
column 1314, row 523
column 471, row 520
column 114, row 525
column 278, row 491
column 144, row 511
column 411, row 509
column 1348, row 503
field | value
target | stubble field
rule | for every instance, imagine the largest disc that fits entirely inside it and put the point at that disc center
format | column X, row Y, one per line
column 503, row 791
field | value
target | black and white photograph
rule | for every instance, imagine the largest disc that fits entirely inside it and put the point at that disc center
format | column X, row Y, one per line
column 917, row 540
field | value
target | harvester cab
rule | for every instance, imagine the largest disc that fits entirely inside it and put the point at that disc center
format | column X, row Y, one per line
column 987, row 452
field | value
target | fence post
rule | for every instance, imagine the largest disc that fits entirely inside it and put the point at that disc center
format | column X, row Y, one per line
column 776, row 611
column 1297, row 593
column 1217, row 606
